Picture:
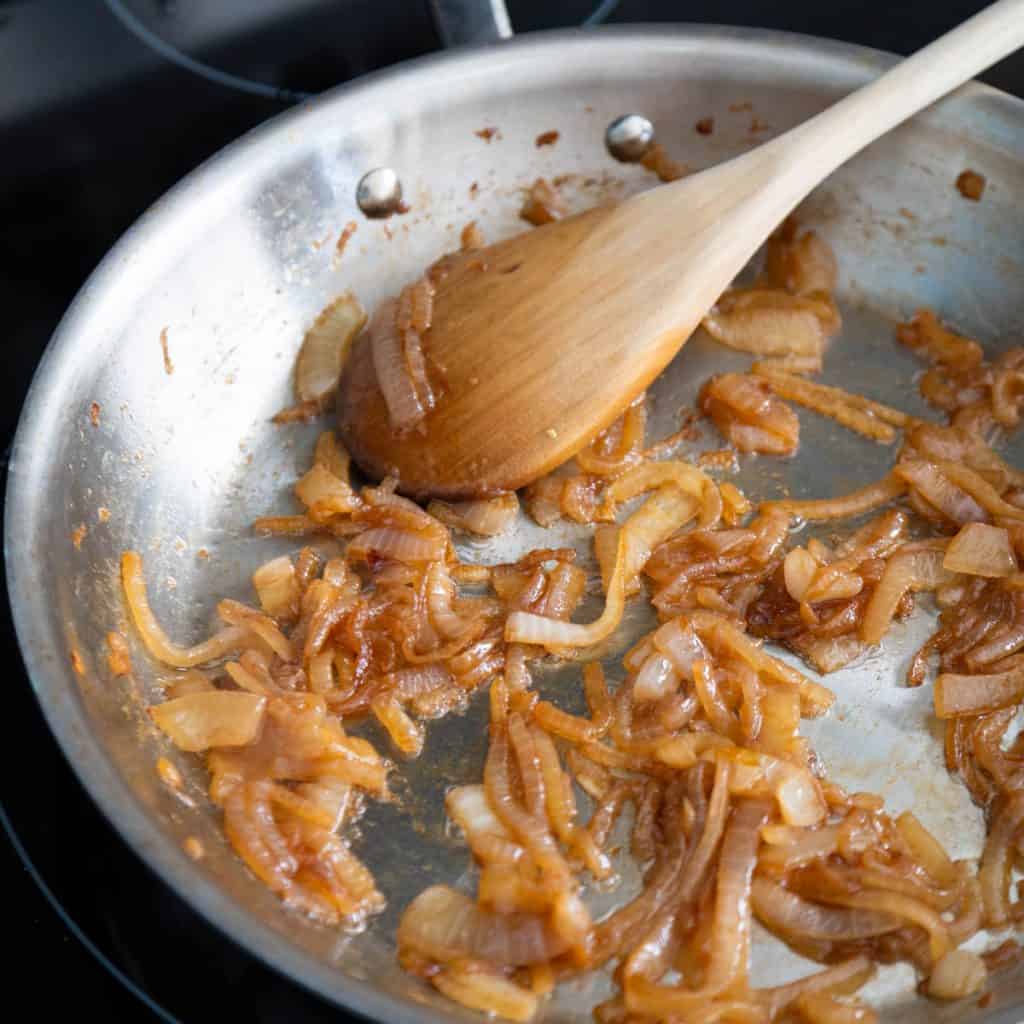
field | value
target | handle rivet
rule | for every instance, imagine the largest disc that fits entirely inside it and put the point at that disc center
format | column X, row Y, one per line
column 629, row 137
column 379, row 193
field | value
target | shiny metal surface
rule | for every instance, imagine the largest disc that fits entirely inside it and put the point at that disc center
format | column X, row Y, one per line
column 379, row 193
column 628, row 137
column 236, row 262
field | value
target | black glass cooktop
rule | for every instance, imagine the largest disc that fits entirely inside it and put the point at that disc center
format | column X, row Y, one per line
column 95, row 127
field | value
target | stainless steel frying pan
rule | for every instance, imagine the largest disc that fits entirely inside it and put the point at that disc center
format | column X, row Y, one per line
column 234, row 264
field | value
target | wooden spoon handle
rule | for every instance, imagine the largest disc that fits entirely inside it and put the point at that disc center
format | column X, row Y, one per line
column 828, row 140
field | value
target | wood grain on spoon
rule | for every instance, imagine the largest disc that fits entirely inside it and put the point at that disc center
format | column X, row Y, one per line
column 544, row 339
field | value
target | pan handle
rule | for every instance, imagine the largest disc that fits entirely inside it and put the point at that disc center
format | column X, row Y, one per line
column 471, row 22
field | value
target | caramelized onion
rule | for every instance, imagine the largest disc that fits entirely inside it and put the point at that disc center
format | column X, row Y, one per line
column 957, row 695
column 997, row 862
column 940, row 494
column 793, row 918
column 487, row 517
column 854, row 504
column 872, row 419
column 156, row 640
column 926, row 335
column 388, row 627
column 219, row 718
column 400, row 545
column 485, row 991
column 445, row 926
column 915, row 567
column 981, row 550
column 899, row 906
column 659, row 517
column 744, row 410
column 957, row 975
column 730, row 932
column 769, row 323
column 845, row 977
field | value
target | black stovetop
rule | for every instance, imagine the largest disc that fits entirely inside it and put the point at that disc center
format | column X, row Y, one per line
column 96, row 127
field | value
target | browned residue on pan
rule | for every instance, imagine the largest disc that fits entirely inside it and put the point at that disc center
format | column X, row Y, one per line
column 168, row 365
column 347, row 232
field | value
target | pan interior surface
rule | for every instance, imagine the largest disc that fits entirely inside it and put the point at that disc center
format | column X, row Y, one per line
column 174, row 455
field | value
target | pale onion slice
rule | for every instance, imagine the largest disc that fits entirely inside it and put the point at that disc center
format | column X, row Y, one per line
column 156, row 640
column 469, row 808
column 234, row 613
column 767, row 323
column 830, row 653
column 927, row 851
column 981, row 550
column 441, row 592
column 405, row 410
column 326, row 347
column 957, row 695
column 656, row 679
column 802, row 266
column 277, row 587
column 399, row 545
column 915, row 567
column 330, row 453
column 679, row 643
column 793, row 787
column 192, row 681
column 444, row 925
column 324, row 495
column 220, row 718
column 486, row 517
column 799, row 569
column 486, row 991
column 957, row 975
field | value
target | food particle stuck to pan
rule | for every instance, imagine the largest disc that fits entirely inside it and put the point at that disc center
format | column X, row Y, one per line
column 971, row 185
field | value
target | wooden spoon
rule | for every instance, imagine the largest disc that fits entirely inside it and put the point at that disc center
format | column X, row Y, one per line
column 544, row 339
